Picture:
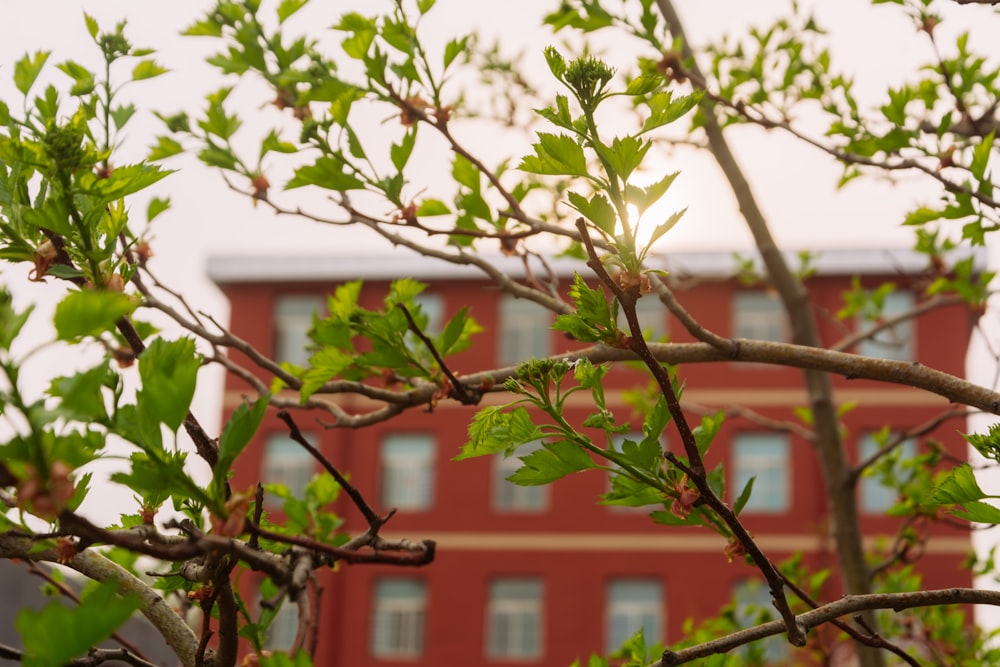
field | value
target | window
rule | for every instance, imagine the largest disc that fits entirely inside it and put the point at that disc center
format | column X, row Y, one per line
column 524, row 331
column 758, row 315
column 289, row 463
column 508, row 496
column 752, row 606
column 432, row 306
column 515, row 619
column 408, row 471
column 285, row 625
column 651, row 314
column 293, row 318
column 764, row 457
column 633, row 604
column 897, row 342
column 398, row 626
column 876, row 495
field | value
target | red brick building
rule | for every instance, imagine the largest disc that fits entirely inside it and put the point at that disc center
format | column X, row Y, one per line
column 543, row 575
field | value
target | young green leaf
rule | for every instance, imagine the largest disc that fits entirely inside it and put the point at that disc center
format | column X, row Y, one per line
column 89, row 313
column 400, row 153
column 597, row 209
column 554, row 461
column 236, row 435
column 169, row 373
column 147, row 69
column 325, row 365
column 978, row 512
column 556, row 154
column 494, row 430
column 958, row 487
column 79, row 628
column 27, row 69
column 289, row 7
column 430, row 207
column 326, row 172
column 157, row 205
column 744, row 496
column 453, row 48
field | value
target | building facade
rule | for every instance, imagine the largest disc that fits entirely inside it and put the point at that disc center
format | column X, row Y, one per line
column 544, row 575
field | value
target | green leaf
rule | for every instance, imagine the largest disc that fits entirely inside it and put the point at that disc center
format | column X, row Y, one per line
column 643, row 85
column 493, row 430
column 169, row 373
column 981, row 156
column 457, row 334
column 92, row 26
column 326, row 364
column 979, row 513
column 556, row 154
column 122, row 114
column 273, row 143
column 362, row 33
column 236, row 435
column 26, row 70
column 643, row 198
column 430, row 207
column 593, row 320
column 289, row 7
column 400, row 153
column 665, row 226
column 554, row 461
column 158, row 476
column 664, row 109
column 424, row 6
column 83, row 79
column 78, row 629
column 129, row 179
column 147, row 69
column 82, row 394
column 326, row 172
column 11, row 321
column 157, row 205
column 625, row 155
column 90, row 313
column 597, row 209
column 165, row 147
column 958, row 487
column 705, row 433
column 453, row 48
column 465, row 173
column 744, row 496
column 556, row 63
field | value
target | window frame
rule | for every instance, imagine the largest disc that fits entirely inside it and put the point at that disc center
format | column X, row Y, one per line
column 782, row 481
column 515, row 623
column 406, row 482
column 520, row 336
column 630, row 610
column 291, row 330
column 407, row 616
column 752, row 317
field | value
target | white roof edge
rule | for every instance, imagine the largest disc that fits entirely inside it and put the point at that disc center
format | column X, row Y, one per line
column 248, row 268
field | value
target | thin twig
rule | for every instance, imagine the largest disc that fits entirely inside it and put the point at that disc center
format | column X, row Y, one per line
column 465, row 395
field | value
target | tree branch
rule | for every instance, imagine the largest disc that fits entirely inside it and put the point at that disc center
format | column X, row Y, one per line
column 849, row 604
